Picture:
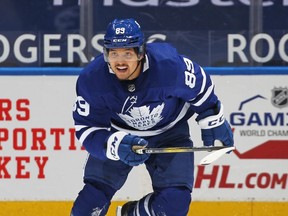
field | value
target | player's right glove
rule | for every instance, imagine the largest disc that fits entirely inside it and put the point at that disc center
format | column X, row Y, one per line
column 119, row 147
column 214, row 126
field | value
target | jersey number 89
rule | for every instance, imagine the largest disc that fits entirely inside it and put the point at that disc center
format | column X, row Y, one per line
column 81, row 106
column 190, row 78
column 120, row 30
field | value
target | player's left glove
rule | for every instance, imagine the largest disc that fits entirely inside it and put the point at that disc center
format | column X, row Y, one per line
column 214, row 126
column 120, row 147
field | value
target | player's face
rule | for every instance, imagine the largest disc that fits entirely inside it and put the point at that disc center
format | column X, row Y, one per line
column 124, row 63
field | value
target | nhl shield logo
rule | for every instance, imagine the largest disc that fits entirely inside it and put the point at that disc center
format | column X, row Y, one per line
column 280, row 97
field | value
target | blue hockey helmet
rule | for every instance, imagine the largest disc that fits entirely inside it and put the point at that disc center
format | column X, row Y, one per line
column 124, row 33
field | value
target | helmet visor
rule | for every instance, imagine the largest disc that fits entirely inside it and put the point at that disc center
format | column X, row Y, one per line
column 115, row 55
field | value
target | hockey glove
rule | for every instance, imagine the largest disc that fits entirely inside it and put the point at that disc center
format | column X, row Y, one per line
column 214, row 126
column 119, row 147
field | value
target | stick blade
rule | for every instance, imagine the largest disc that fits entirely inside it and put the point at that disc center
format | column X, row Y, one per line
column 215, row 155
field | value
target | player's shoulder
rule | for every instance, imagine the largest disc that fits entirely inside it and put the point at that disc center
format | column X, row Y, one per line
column 161, row 50
column 164, row 63
column 93, row 76
column 96, row 66
column 161, row 45
column 164, row 52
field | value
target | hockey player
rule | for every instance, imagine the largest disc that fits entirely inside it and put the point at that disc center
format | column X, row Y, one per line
column 137, row 94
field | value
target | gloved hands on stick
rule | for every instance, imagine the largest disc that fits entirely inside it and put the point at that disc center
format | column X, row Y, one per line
column 120, row 147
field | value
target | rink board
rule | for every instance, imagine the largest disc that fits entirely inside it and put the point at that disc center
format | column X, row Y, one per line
column 37, row 146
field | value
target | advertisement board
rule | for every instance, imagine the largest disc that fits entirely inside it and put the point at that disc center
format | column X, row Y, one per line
column 213, row 33
column 40, row 159
column 256, row 107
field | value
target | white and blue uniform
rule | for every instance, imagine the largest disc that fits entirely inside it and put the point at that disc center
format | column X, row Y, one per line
column 155, row 106
column 170, row 90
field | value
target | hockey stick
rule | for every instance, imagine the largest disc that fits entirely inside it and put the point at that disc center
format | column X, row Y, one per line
column 141, row 150
column 215, row 155
column 218, row 151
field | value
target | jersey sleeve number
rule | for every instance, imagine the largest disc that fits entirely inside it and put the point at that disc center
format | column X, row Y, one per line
column 81, row 106
column 190, row 78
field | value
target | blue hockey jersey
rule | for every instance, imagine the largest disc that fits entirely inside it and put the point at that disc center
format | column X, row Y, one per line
column 169, row 90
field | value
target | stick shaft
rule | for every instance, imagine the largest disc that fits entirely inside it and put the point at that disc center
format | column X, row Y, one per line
column 177, row 149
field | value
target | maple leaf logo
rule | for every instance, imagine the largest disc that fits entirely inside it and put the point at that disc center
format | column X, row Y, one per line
column 141, row 118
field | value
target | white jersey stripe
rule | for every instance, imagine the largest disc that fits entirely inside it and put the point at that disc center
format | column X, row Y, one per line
column 88, row 131
column 136, row 210
column 205, row 96
column 146, row 204
column 80, row 127
column 204, row 80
